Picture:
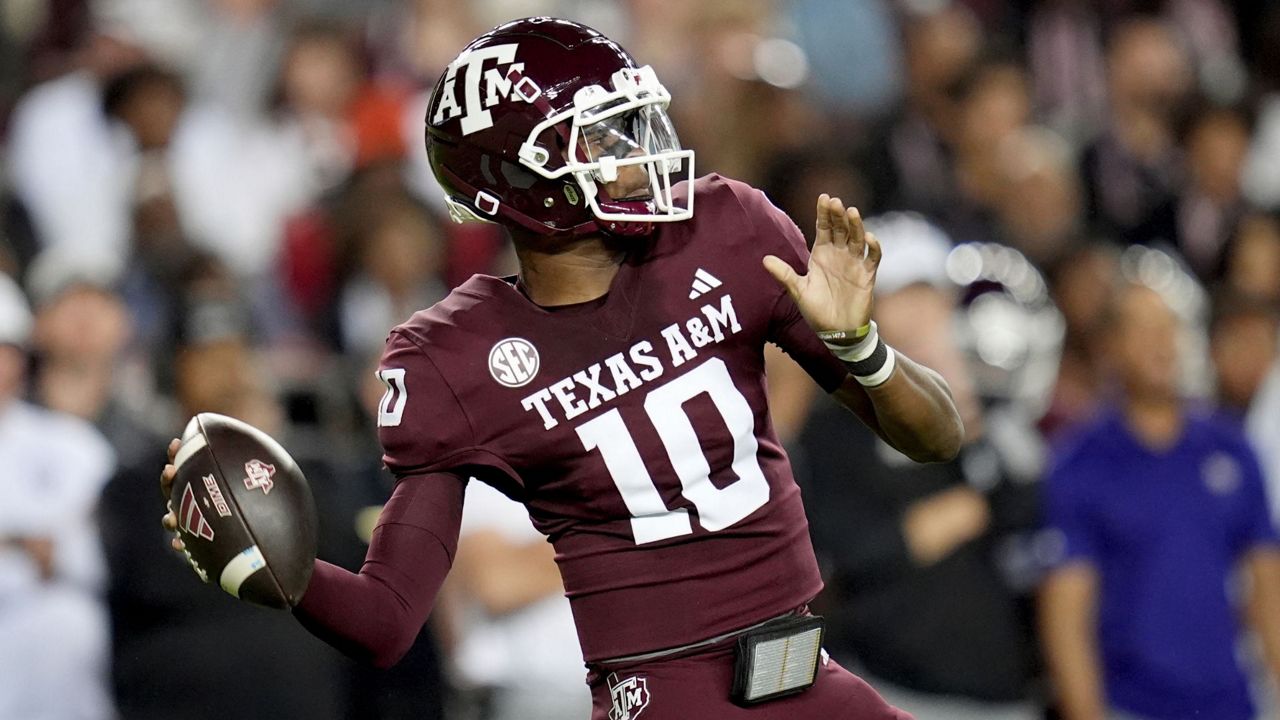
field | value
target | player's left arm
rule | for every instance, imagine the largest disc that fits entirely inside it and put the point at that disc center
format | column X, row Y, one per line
column 41, row 551
column 1258, row 547
column 1262, row 564
column 909, row 405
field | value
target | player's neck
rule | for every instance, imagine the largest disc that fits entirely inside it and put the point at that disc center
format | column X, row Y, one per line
column 1157, row 422
column 567, row 272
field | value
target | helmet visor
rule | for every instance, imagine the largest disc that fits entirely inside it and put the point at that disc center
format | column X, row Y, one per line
column 621, row 149
column 633, row 150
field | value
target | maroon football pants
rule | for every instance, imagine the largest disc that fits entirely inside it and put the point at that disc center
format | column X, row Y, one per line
column 696, row 687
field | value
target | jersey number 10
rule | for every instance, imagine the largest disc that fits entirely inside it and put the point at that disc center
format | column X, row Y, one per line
column 718, row 508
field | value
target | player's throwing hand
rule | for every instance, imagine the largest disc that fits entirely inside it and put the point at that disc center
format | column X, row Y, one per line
column 836, row 292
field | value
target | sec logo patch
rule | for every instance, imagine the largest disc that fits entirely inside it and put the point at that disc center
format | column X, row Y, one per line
column 513, row 362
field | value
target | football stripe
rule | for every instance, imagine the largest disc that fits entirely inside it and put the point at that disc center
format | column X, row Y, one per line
column 189, row 448
column 192, row 518
column 188, row 502
column 246, row 563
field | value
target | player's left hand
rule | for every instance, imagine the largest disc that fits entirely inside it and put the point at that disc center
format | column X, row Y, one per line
column 836, row 291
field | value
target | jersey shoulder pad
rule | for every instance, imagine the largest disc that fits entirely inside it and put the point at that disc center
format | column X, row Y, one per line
column 744, row 217
column 421, row 423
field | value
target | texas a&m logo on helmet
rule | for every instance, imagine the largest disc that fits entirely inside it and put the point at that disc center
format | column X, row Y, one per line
column 502, row 81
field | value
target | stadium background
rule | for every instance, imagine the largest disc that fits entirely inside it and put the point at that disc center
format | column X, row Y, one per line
column 223, row 205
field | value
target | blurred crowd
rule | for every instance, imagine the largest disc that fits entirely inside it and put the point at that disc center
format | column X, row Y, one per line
column 223, row 205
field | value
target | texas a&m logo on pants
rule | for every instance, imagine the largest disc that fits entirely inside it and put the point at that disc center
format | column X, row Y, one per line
column 630, row 697
column 258, row 475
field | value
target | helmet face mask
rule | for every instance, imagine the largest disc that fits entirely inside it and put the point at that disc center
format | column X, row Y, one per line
column 547, row 125
column 610, row 131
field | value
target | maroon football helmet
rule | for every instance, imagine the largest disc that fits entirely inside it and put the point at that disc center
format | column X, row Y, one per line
column 547, row 125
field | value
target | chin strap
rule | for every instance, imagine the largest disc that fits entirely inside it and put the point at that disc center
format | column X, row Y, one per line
column 622, row 228
column 627, row 229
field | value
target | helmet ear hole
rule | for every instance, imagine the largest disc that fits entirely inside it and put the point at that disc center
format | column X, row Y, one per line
column 516, row 176
column 520, row 201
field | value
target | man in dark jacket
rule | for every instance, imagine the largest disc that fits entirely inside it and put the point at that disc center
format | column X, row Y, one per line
column 917, row 594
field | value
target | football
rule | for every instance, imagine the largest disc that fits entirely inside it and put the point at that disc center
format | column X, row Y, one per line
column 245, row 512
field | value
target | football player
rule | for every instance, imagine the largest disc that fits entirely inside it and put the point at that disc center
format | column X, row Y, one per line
column 616, row 387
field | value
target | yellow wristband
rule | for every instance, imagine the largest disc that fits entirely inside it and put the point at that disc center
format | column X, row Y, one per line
column 845, row 334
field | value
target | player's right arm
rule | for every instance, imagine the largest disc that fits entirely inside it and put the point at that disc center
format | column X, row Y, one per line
column 429, row 445
column 376, row 614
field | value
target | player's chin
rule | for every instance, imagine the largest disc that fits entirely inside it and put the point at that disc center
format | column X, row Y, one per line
column 634, row 191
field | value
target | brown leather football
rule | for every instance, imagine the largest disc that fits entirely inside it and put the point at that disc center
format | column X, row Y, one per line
column 245, row 512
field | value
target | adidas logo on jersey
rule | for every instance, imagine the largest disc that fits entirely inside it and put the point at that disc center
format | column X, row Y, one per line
column 703, row 283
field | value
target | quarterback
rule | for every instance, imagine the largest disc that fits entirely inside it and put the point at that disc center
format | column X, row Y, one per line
column 616, row 388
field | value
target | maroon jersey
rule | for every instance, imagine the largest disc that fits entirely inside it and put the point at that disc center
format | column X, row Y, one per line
column 634, row 428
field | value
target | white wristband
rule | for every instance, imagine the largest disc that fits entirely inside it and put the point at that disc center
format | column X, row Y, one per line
column 881, row 375
column 870, row 360
column 858, row 351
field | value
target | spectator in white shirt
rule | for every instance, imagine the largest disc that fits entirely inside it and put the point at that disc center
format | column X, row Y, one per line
column 516, row 637
column 54, row 629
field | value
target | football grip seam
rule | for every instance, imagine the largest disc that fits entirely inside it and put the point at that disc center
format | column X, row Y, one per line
column 231, row 496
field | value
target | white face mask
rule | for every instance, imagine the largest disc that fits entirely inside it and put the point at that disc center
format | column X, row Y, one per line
column 622, row 148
